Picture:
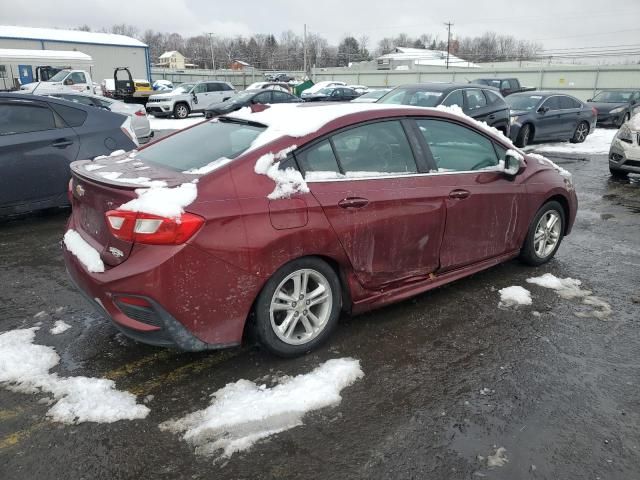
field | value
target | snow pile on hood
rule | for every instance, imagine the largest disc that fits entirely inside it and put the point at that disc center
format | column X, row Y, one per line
column 542, row 160
column 288, row 181
column 597, row 143
column 515, row 295
column 24, row 368
column 297, row 120
column 162, row 201
column 242, row 413
column 456, row 110
column 84, row 252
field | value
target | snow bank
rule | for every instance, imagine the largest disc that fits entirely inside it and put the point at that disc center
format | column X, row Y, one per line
column 60, row 327
column 24, row 368
column 597, row 143
column 87, row 255
column 498, row 459
column 288, row 181
column 515, row 295
column 242, row 413
column 162, row 201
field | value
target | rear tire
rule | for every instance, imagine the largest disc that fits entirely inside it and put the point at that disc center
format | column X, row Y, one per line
column 580, row 135
column 524, row 136
column 181, row 110
column 617, row 173
column 294, row 316
column 542, row 241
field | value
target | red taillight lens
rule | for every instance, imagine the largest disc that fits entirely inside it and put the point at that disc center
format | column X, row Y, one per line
column 141, row 113
column 152, row 229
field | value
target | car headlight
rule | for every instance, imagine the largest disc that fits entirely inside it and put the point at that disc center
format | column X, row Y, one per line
column 513, row 120
column 624, row 134
column 617, row 110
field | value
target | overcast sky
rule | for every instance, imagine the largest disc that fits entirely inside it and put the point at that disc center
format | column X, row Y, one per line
column 555, row 24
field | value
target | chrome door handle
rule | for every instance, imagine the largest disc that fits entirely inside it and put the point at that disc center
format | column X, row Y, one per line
column 353, row 202
column 459, row 194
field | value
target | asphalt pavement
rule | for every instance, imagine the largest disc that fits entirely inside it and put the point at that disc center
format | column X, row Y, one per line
column 449, row 376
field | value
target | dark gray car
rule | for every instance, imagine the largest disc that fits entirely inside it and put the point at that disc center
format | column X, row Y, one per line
column 549, row 116
column 478, row 101
column 615, row 107
column 40, row 137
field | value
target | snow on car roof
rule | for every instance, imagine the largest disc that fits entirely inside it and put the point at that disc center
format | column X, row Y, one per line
column 300, row 119
column 76, row 36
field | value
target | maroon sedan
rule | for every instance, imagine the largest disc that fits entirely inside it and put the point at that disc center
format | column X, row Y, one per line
column 280, row 219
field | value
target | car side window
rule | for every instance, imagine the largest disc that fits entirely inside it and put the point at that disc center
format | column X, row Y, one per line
column 264, row 97
column 74, row 117
column 505, row 85
column 200, row 88
column 16, row 118
column 318, row 158
column 78, row 77
column 475, row 98
column 214, row 87
column 552, row 103
column 492, row 97
column 380, row 147
column 568, row 103
column 456, row 148
column 454, row 98
column 78, row 99
column 280, row 97
column 514, row 84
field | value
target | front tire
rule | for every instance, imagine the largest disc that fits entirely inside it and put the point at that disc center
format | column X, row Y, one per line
column 580, row 135
column 524, row 136
column 298, row 308
column 544, row 235
column 180, row 111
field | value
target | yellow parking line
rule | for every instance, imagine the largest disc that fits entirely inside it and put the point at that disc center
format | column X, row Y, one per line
column 9, row 414
column 134, row 366
column 16, row 437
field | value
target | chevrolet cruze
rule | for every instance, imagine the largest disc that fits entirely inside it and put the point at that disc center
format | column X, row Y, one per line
column 280, row 218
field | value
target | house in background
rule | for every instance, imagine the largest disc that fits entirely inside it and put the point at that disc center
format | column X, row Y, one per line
column 403, row 58
column 172, row 59
column 239, row 65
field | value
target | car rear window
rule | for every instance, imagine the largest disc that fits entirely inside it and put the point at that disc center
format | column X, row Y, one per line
column 202, row 144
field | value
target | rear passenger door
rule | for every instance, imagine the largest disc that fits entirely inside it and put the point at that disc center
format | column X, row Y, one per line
column 485, row 209
column 571, row 115
column 36, row 147
column 550, row 124
column 476, row 104
column 388, row 218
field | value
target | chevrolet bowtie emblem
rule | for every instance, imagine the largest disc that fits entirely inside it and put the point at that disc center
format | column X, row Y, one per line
column 79, row 190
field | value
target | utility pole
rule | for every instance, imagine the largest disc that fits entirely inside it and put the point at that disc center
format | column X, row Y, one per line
column 304, row 48
column 213, row 60
column 448, row 24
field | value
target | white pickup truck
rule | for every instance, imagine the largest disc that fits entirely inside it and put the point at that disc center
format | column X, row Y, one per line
column 69, row 81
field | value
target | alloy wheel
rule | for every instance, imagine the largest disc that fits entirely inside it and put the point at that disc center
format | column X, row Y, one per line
column 182, row 111
column 301, row 306
column 547, row 234
column 581, row 132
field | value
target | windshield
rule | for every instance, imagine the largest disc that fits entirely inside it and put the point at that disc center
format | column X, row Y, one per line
column 375, row 94
column 184, row 88
column 201, row 145
column 412, row 96
column 242, row 96
column 60, row 76
column 613, row 97
column 523, row 102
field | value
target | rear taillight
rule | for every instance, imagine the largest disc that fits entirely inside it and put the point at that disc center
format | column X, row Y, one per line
column 595, row 111
column 153, row 229
column 141, row 113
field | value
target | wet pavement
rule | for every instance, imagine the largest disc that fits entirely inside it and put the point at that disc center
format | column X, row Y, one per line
column 559, row 392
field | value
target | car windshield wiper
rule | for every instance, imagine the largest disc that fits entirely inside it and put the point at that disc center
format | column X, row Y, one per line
column 241, row 121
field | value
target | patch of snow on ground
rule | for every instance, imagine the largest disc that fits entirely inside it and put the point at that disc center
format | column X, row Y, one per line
column 163, row 201
column 569, row 288
column 243, row 412
column 515, row 295
column 24, row 368
column 498, row 459
column 598, row 142
column 84, row 252
column 60, row 327
column 172, row 123
column 287, row 181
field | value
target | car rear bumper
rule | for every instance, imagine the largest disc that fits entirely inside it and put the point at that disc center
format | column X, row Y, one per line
column 192, row 302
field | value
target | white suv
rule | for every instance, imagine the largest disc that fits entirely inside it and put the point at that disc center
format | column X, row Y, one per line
column 188, row 98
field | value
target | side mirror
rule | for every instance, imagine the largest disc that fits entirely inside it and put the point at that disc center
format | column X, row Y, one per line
column 633, row 102
column 512, row 165
column 543, row 110
column 68, row 81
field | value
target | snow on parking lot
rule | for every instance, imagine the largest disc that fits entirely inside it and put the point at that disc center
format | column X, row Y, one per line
column 174, row 123
column 597, row 143
column 241, row 413
column 24, row 368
